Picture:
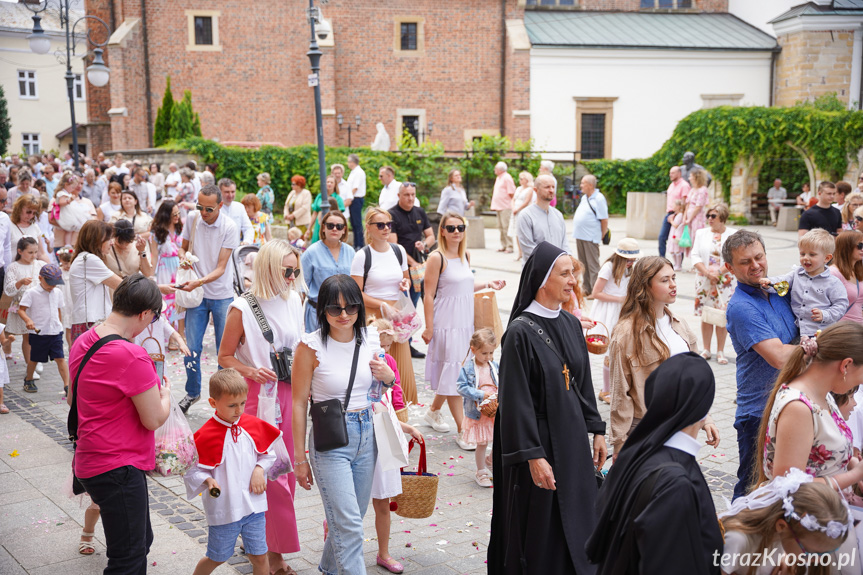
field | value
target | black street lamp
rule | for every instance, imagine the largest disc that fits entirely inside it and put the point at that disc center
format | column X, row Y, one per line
column 97, row 73
column 314, row 54
column 420, row 133
column 340, row 119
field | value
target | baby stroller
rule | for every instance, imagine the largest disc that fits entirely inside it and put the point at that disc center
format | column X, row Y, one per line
column 242, row 258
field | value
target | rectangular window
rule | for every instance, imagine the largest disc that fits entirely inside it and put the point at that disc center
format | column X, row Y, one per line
column 203, row 30
column 78, row 87
column 411, row 124
column 592, row 136
column 30, row 143
column 27, row 84
column 409, row 36
column 666, row 4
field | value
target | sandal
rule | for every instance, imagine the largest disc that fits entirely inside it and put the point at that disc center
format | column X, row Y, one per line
column 705, row 353
column 720, row 358
column 3, row 409
column 86, row 547
column 605, row 396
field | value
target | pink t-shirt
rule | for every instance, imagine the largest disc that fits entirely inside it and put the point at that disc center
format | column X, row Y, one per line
column 504, row 190
column 855, row 296
column 678, row 190
column 110, row 432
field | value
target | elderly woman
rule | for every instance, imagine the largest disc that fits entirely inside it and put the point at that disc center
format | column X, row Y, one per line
column 25, row 186
column 298, row 205
column 114, row 415
column 90, row 279
column 131, row 210
column 341, row 354
column 25, row 213
column 186, row 194
column 453, row 197
column 244, row 348
column 333, row 195
column 328, row 257
column 128, row 253
column 714, row 284
column 852, row 201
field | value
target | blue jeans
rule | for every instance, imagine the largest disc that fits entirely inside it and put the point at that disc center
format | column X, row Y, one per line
column 747, row 444
column 664, row 231
column 344, row 477
column 356, row 209
column 122, row 496
column 197, row 319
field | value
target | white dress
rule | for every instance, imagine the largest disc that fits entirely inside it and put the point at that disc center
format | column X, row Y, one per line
column 15, row 272
column 453, row 327
column 609, row 312
column 386, row 484
column 76, row 213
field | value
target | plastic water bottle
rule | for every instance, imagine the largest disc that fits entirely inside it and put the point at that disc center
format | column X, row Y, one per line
column 376, row 391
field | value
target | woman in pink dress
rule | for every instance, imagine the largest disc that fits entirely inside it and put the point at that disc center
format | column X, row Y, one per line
column 696, row 204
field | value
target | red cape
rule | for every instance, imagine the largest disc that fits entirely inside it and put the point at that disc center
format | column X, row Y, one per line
column 210, row 439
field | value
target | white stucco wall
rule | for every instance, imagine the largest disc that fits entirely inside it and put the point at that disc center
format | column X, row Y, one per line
column 655, row 89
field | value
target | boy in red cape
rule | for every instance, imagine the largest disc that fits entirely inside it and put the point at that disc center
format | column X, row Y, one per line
column 235, row 451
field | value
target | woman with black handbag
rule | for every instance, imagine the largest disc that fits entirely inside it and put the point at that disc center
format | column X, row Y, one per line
column 261, row 330
column 337, row 366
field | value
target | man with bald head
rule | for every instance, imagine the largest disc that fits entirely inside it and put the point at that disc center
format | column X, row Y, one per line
column 589, row 224
column 677, row 190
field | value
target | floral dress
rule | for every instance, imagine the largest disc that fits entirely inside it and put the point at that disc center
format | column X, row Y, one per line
column 259, row 224
column 707, row 294
column 697, row 198
column 832, row 447
column 185, row 193
column 267, row 197
column 166, row 270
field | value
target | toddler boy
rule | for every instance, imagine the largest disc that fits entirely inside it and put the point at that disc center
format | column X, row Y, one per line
column 235, row 451
column 818, row 298
column 43, row 321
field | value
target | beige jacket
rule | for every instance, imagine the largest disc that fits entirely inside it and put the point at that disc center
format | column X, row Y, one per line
column 629, row 373
column 302, row 207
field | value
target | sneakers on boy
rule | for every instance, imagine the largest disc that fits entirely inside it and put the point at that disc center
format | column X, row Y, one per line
column 435, row 420
column 30, row 386
column 188, row 402
column 464, row 444
column 39, row 368
column 36, row 375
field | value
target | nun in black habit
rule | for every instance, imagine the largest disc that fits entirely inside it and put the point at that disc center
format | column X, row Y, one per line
column 656, row 514
column 545, row 483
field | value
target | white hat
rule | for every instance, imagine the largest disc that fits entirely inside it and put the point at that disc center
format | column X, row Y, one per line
column 628, row 248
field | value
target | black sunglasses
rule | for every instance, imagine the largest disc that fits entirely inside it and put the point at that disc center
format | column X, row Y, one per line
column 157, row 313
column 292, row 272
column 452, row 229
column 711, row 216
column 335, row 310
column 858, row 218
column 383, row 225
column 201, row 208
column 860, row 246
column 332, row 226
column 409, row 184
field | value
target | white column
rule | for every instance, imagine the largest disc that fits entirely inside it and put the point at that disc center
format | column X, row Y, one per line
column 856, row 70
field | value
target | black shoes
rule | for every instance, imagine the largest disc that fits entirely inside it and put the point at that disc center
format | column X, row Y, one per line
column 416, row 354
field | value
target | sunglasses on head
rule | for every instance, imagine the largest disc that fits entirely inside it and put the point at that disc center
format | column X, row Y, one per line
column 335, row 310
column 409, row 184
column 452, row 229
column 712, row 216
column 383, row 225
column 332, row 226
column 291, row 272
column 208, row 210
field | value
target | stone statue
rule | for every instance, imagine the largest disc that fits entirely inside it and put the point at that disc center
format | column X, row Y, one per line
column 382, row 139
column 689, row 165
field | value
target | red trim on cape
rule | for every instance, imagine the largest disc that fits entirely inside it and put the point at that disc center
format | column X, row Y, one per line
column 210, row 439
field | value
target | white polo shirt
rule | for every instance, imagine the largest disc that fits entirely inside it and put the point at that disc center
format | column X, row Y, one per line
column 209, row 241
column 389, row 195
column 357, row 181
column 238, row 215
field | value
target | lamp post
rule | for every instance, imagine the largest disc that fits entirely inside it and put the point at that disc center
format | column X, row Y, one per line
column 341, row 119
column 314, row 54
column 420, row 133
column 97, row 73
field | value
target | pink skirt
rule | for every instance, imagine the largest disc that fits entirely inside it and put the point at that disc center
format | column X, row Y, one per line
column 478, row 430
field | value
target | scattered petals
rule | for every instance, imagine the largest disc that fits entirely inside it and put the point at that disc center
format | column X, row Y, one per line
column 14, row 454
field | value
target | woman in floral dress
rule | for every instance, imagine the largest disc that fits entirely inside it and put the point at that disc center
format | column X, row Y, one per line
column 165, row 242
column 696, row 203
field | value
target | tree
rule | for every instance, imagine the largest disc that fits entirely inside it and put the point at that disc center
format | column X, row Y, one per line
column 5, row 124
column 162, row 131
column 184, row 121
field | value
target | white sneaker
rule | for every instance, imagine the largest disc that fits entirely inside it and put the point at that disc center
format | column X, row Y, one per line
column 36, row 375
column 39, row 368
column 464, row 444
column 435, row 420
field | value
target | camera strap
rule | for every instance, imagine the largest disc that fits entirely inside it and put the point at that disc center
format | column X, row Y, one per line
column 260, row 317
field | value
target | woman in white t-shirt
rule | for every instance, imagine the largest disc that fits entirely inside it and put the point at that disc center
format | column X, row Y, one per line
column 107, row 210
column 90, row 279
column 386, row 278
column 322, row 368
column 276, row 278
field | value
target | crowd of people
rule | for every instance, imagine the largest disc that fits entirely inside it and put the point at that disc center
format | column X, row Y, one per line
column 123, row 263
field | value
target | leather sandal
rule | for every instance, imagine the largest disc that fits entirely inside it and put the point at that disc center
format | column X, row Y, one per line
column 86, row 547
column 720, row 358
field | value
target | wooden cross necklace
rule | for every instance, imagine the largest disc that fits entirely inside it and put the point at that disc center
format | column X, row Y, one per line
column 565, row 373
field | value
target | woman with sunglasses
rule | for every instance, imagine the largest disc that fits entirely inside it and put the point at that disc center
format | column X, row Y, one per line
column 448, row 307
column 386, row 278
column 852, row 201
column 848, row 267
column 332, row 193
column 131, row 210
column 244, row 348
column 322, row 370
column 325, row 258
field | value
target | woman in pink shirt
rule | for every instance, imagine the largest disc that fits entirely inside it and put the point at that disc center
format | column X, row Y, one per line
column 118, row 406
column 848, row 267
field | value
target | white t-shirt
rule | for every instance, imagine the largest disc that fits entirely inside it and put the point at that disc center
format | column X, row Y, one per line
column 43, row 307
column 171, row 183
column 389, row 195
column 672, row 339
column 108, row 210
column 612, row 288
column 384, row 275
column 161, row 331
column 345, row 190
column 330, row 379
column 285, row 317
column 238, row 215
column 209, row 241
column 91, row 299
column 357, row 181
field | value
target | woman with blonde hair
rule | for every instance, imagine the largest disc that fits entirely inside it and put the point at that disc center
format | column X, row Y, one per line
column 25, row 213
column 852, row 202
column 646, row 335
column 448, row 308
column 275, row 289
column 381, row 281
column 848, row 267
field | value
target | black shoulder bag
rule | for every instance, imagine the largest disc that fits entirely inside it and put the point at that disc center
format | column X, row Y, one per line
column 281, row 360
column 329, row 429
column 72, row 420
column 606, row 239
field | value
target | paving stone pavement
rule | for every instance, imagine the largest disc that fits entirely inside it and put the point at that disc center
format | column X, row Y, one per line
column 39, row 526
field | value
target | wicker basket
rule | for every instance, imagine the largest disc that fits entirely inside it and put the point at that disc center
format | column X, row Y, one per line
column 596, row 342
column 402, row 414
column 419, row 490
column 489, row 409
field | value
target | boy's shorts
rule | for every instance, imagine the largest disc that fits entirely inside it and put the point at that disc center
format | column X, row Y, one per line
column 223, row 538
column 44, row 348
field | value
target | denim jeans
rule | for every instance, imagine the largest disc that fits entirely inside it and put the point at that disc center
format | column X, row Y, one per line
column 747, row 444
column 197, row 319
column 122, row 497
column 344, row 477
column 664, row 231
column 356, row 209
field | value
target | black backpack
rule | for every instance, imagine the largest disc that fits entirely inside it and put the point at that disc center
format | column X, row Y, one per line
column 368, row 263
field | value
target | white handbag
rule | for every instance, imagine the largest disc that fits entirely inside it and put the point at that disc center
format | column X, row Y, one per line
column 713, row 316
column 391, row 441
column 189, row 299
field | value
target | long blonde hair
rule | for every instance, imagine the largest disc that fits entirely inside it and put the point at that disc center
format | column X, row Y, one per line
column 269, row 280
column 839, row 341
column 638, row 304
column 441, row 238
